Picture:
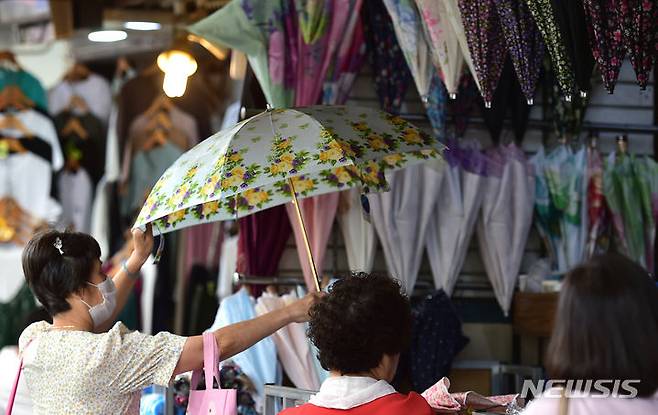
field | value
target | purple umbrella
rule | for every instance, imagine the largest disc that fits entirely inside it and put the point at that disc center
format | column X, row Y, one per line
column 524, row 43
column 486, row 43
column 605, row 38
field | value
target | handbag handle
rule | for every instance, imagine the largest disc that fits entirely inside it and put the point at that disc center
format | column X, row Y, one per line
column 14, row 389
column 210, row 362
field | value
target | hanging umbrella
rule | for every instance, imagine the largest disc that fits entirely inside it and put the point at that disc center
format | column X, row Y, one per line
column 358, row 233
column 401, row 217
column 455, row 19
column 605, row 38
column 453, row 220
column 637, row 20
column 524, row 43
column 597, row 242
column 301, row 152
column 486, row 43
column 544, row 14
column 411, row 36
column 444, row 43
column 645, row 170
column 625, row 204
column 546, row 214
column 391, row 73
column 570, row 20
column 505, row 220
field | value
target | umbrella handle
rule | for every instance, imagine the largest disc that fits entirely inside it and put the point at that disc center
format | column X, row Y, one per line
column 307, row 245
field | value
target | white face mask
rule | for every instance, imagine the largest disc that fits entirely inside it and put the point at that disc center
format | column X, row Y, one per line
column 102, row 312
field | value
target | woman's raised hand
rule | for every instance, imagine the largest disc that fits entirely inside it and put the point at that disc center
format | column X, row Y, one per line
column 143, row 246
column 299, row 310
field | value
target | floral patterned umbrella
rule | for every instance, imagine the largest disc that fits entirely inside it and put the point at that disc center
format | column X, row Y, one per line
column 544, row 14
column 639, row 27
column 597, row 210
column 486, row 43
column 605, row 37
column 391, row 73
column 524, row 43
column 277, row 155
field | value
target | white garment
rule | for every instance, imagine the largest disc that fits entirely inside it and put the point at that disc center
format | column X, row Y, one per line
column 100, row 222
column 593, row 406
column 9, row 363
column 347, row 392
column 75, row 193
column 43, row 127
column 95, row 91
column 149, row 277
column 112, row 157
column 27, row 178
column 358, row 234
column 11, row 277
column 228, row 264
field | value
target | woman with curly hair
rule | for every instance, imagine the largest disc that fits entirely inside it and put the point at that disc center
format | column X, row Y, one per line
column 360, row 328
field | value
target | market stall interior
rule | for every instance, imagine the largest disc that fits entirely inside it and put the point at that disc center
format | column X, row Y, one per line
column 476, row 151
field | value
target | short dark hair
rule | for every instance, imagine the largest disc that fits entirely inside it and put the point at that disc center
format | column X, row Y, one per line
column 363, row 317
column 606, row 325
column 52, row 276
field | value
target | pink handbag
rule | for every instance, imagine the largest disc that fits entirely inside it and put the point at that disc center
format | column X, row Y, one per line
column 211, row 401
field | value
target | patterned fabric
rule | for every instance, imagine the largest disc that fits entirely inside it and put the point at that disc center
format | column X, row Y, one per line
column 638, row 23
column 226, row 176
column 486, row 43
column 70, row 371
column 436, row 107
column 598, row 239
column 605, row 38
column 436, row 339
column 524, row 43
column 544, row 14
column 391, row 73
column 567, row 116
column 443, row 401
column 570, row 19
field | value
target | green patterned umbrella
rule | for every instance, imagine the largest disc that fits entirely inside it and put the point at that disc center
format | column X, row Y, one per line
column 280, row 155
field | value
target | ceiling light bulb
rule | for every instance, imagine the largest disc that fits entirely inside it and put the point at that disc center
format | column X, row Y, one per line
column 177, row 66
column 142, row 25
column 107, row 36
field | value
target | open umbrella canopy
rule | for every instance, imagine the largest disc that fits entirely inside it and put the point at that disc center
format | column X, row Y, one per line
column 252, row 166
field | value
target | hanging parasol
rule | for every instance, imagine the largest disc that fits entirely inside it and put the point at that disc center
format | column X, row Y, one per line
column 605, row 38
column 453, row 220
column 358, row 233
column 638, row 23
column 486, row 43
column 444, row 43
column 282, row 155
column 646, row 184
column 391, row 73
column 547, row 217
column 544, row 14
column 597, row 240
column 505, row 220
column 401, row 217
column 570, row 21
column 524, row 43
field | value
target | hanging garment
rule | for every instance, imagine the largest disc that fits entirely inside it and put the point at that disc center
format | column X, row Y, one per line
column 637, row 20
column 570, row 21
column 605, row 39
column 505, row 219
column 94, row 90
column 11, row 278
column 28, row 84
column 227, row 266
column 291, row 344
column 391, row 73
column 259, row 361
column 598, row 239
column 544, row 13
column 319, row 213
column 486, row 43
column 401, row 217
column 453, row 220
column 358, row 233
column 262, row 240
column 547, row 217
column 75, row 192
column 524, row 43
column 82, row 152
column 437, row 338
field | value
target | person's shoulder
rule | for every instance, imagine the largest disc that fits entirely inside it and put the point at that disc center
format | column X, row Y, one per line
column 413, row 403
column 31, row 332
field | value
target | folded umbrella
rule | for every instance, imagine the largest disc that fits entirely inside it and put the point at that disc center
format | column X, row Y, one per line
column 637, row 20
column 486, row 43
column 358, row 233
column 598, row 218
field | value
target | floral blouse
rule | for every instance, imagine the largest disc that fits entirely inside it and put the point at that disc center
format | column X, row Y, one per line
column 78, row 372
